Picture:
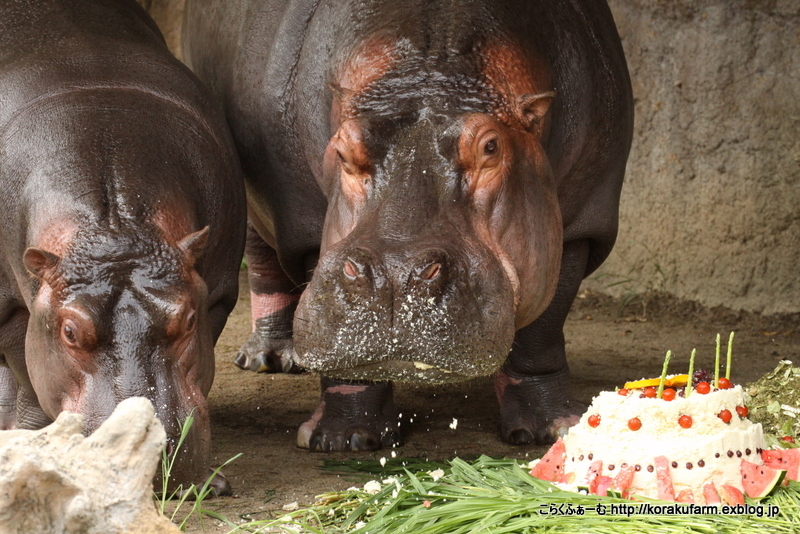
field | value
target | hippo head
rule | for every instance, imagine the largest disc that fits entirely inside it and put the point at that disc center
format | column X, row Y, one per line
column 443, row 232
column 122, row 313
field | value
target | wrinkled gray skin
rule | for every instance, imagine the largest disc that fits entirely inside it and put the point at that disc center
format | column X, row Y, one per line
column 449, row 172
column 123, row 220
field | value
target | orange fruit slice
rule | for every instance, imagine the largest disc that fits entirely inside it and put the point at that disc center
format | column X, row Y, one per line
column 670, row 381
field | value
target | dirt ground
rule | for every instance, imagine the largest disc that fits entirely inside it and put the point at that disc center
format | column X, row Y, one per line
column 258, row 414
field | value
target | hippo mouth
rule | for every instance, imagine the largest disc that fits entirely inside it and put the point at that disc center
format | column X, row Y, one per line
column 439, row 315
column 399, row 371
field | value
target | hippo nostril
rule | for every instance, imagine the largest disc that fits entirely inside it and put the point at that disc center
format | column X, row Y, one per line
column 170, row 448
column 431, row 272
column 350, row 269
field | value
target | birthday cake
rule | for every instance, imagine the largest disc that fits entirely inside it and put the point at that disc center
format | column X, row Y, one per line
column 696, row 444
column 674, row 438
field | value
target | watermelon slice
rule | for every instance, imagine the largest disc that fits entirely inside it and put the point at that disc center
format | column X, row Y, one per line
column 710, row 494
column 788, row 459
column 601, row 485
column 685, row 496
column 623, row 480
column 731, row 495
column 760, row 480
column 664, row 479
column 551, row 466
column 591, row 475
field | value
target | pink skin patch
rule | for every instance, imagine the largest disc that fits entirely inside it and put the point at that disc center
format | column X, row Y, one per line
column 55, row 236
column 370, row 61
column 345, row 389
column 307, row 428
column 513, row 74
column 501, row 381
column 172, row 222
column 264, row 304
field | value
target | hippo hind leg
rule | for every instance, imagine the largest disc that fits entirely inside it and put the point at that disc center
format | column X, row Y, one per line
column 273, row 299
column 352, row 416
column 533, row 387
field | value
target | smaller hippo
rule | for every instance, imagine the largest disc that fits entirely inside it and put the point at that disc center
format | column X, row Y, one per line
column 123, row 222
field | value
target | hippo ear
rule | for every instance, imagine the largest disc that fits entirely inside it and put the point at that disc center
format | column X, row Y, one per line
column 194, row 244
column 533, row 108
column 41, row 264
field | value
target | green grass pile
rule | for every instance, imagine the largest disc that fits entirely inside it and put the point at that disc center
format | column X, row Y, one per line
column 498, row 496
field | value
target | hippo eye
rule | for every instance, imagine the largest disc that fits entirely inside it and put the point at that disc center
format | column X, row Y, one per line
column 490, row 147
column 70, row 334
column 77, row 331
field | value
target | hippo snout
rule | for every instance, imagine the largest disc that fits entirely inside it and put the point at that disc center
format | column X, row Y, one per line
column 427, row 269
column 364, row 272
column 405, row 312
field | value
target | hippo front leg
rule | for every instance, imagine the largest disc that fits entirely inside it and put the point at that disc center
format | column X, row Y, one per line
column 8, row 399
column 273, row 300
column 352, row 416
column 19, row 405
column 533, row 386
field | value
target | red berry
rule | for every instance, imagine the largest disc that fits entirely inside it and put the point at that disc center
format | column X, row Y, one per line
column 650, row 392
column 634, row 423
column 725, row 415
column 724, row 383
column 623, row 392
column 742, row 411
column 702, row 388
column 594, row 420
column 685, row 421
column 788, row 439
column 668, row 394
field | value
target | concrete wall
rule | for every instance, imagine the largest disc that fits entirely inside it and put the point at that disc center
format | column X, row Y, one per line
column 711, row 206
column 168, row 14
column 710, row 209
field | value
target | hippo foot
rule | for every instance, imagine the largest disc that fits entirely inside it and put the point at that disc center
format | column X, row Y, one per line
column 265, row 355
column 219, row 485
column 216, row 482
column 8, row 420
column 536, row 409
column 359, row 416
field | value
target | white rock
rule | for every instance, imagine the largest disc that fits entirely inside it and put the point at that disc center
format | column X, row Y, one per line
column 55, row 480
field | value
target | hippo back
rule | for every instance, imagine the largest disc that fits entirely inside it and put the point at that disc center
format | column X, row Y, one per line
column 99, row 61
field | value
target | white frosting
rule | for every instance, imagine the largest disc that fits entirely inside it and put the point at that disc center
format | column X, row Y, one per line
column 699, row 454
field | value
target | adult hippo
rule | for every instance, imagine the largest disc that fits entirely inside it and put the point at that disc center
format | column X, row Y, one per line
column 450, row 171
column 123, row 222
